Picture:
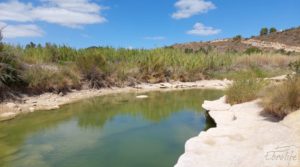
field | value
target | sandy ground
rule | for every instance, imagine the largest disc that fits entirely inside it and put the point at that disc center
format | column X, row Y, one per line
column 50, row 101
column 245, row 137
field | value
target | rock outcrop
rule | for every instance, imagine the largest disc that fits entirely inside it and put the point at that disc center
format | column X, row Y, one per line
column 244, row 137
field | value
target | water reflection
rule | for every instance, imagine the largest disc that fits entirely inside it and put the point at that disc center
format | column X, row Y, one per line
column 104, row 119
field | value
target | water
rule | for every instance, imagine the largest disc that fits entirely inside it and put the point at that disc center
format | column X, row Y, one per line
column 111, row 131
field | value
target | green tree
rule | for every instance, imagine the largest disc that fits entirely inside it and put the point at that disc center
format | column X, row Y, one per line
column 272, row 30
column 237, row 38
column 264, row 31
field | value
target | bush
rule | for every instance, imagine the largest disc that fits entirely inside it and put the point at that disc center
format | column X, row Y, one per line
column 272, row 30
column 264, row 31
column 10, row 69
column 94, row 69
column 244, row 90
column 295, row 66
column 253, row 50
column 237, row 38
column 284, row 100
column 41, row 80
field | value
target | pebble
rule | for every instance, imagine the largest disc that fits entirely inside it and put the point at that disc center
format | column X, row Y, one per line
column 31, row 109
column 142, row 96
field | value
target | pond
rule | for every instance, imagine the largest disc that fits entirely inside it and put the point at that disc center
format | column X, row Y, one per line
column 110, row 131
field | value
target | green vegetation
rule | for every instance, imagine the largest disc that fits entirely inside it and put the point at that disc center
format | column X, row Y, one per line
column 252, row 50
column 284, row 100
column 245, row 88
column 250, row 85
column 264, row 31
column 272, row 30
column 237, row 38
column 35, row 69
column 10, row 69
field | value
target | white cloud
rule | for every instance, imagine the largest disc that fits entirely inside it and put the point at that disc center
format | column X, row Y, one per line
column 22, row 30
column 155, row 38
column 71, row 13
column 189, row 8
column 15, row 11
column 202, row 30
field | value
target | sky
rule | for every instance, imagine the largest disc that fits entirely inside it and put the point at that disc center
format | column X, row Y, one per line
column 140, row 23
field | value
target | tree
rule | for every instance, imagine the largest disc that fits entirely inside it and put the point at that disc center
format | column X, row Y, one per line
column 272, row 30
column 237, row 38
column 264, row 31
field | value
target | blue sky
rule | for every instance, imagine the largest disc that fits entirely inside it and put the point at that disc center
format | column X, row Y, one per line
column 140, row 23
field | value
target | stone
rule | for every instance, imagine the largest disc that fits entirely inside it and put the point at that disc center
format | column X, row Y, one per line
column 7, row 116
column 61, row 94
column 11, row 105
column 141, row 96
column 217, row 105
column 31, row 109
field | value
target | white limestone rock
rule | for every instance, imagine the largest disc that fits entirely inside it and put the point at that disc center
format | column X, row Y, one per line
column 216, row 105
column 141, row 96
column 241, row 141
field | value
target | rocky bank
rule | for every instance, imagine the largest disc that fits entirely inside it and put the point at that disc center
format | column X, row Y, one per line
column 244, row 137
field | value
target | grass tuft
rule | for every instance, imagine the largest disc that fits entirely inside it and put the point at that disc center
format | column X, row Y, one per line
column 282, row 99
column 244, row 90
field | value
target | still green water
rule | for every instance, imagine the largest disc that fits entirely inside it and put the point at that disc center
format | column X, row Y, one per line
column 110, row 131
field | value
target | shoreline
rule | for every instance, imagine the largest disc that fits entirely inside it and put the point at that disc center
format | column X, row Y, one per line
column 243, row 137
column 51, row 101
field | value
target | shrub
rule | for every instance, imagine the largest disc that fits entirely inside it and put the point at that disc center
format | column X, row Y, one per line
column 10, row 69
column 237, row 38
column 253, row 50
column 41, row 80
column 295, row 66
column 244, row 90
column 264, row 31
column 94, row 69
column 284, row 100
column 264, row 60
column 272, row 30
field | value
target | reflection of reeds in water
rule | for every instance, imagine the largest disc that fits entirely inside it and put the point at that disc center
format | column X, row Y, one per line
column 94, row 113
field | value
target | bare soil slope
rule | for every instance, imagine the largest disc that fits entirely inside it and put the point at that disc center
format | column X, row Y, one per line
column 288, row 40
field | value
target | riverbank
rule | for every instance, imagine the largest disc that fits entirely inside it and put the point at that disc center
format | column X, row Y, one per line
column 244, row 136
column 51, row 101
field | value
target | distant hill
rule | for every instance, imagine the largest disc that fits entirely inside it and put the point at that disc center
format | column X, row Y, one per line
column 288, row 40
column 290, row 37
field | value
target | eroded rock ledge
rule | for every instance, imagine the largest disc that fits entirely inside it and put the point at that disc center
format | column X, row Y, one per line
column 241, row 138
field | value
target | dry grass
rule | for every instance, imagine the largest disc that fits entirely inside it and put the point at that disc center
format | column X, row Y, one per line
column 265, row 60
column 244, row 90
column 44, row 80
column 280, row 100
